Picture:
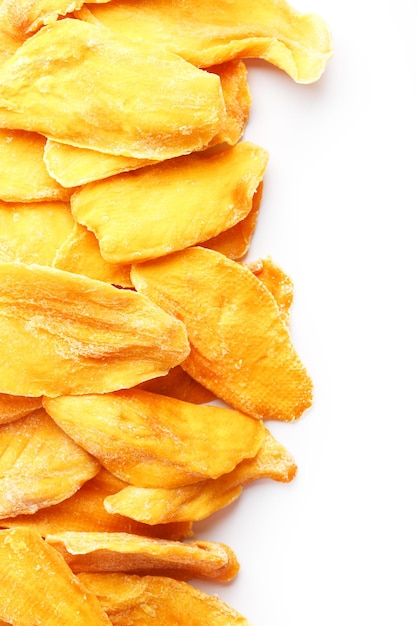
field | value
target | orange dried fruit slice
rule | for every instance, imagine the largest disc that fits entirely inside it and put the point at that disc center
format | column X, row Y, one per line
column 75, row 94
column 15, row 407
column 84, row 511
column 207, row 34
column 240, row 345
column 121, row 552
column 156, row 210
column 178, row 384
column 32, row 232
column 38, row 587
column 32, row 474
column 150, row 440
column 198, row 501
column 80, row 254
column 23, row 174
column 278, row 283
column 66, row 333
column 132, row 599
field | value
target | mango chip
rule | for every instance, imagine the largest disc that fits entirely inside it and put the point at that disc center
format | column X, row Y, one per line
column 79, row 253
column 15, row 407
column 66, row 333
column 198, row 501
column 210, row 33
column 32, row 474
column 23, row 174
column 84, row 511
column 162, row 208
column 147, row 600
column 178, row 384
column 153, row 441
column 38, row 587
column 240, row 345
column 277, row 281
column 32, row 232
column 71, row 80
column 115, row 552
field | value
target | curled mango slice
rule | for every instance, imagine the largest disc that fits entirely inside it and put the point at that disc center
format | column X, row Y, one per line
column 147, row 600
column 198, row 501
column 156, row 210
column 150, row 440
column 277, row 281
column 14, row 407
column 71, row 80
column 32, row 474
column 104, row 552
column 38, row 587
column 66, row 333
column 206, row 34
column 178, row 384
column 240, row 346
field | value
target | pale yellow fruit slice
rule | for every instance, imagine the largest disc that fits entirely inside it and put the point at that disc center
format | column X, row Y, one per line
column 65, row 333
column 15, row 407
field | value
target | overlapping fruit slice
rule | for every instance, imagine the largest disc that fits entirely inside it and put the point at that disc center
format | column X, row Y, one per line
column 66, row 333
column 15, row 407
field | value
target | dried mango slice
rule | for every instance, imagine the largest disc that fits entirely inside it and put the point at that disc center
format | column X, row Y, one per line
column 80, row 254
column 147, row 600
column 84, row 511
column 32, row 474
column 121, row 552
column 23, row 174
column 38, row 587
column 240, row 346
column 178, row 384
column 65, row 333
column 71, row 80
column 165, row 207
column 235, row 241
column 278, row 283
column 32, row 232
column 198, row 501
column 8, row 43
column 210, row 33
column 15, row 407
column 150, row 440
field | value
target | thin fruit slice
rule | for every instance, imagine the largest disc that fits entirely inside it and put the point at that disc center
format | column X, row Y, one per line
column 240, row 345
column 278, row 283
column 66, row 333
column 15, row 407
column 178, row 384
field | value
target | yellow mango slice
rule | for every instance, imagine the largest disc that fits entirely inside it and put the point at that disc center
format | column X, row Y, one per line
column 84, row 511
column 150, row 440
column 64, row 333
column 80, row 254
column 23, row 174
column 150, row 600
column 38, row 587
column 33, row 232
column 15, row 407
column 178, row 384
column 165, row 207
column 121, row 552
column 198, row 501
column 32, row 474
column 278, row 283
column 240, row 346
column 8, row 43
column 210, row 33
column 71, row 80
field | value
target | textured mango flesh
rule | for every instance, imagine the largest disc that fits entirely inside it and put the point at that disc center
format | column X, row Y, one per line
column 152, row 441
column 72, row 166
column 198, row 501
column 32, row 474
column 150, row 600
column 104, row 552
column 66, row 333
column 38, row 587
column 23, row 174
column 156, row 210
column 178, row 384
column 79, row 253
column 84, row 511
column 240, row 346
column 278, row 283
column 15, row 407
column 209, row 33
column 71, row 80
column 32, row 232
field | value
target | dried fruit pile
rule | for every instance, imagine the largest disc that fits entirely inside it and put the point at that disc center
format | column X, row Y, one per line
column 128, row 199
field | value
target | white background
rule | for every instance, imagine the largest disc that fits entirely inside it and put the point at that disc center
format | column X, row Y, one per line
column 337, row 546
